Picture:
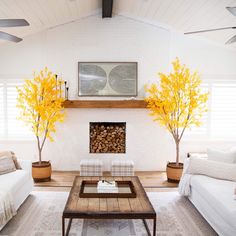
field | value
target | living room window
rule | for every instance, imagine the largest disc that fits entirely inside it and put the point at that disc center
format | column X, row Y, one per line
column 10, row 127
column 223, row 110
column 220, row 120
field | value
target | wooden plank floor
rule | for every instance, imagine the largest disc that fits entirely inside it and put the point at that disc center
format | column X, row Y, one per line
column 63, row 180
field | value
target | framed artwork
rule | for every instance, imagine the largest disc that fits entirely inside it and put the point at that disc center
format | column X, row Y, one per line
column 108, row 79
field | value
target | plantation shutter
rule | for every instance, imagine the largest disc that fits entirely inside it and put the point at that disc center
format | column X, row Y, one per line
column 15, row 128
column 223, row 110
column 220, row 120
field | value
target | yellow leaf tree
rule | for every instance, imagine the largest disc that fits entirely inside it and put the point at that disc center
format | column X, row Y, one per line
column 41, row 105
column 177, row 102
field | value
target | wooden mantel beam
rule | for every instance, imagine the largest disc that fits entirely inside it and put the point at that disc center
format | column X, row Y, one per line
column 105, row 104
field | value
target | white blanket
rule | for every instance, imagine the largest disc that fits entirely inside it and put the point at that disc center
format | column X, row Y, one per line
column 7, row 208
column 184, row 184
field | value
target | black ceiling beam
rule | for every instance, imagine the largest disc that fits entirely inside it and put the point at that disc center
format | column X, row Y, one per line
column 107, row 6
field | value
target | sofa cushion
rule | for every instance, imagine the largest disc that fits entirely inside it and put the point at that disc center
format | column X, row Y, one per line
column 221, row 156
column 6, row 165
column 215, row 169
column 13, row 181
column 219, row 194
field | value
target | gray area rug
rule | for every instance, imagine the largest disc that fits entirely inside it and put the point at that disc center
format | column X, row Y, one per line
column 41, row 213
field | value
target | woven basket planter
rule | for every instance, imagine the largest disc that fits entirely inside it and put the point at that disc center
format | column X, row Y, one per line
column 41, row 172
column 174, row 172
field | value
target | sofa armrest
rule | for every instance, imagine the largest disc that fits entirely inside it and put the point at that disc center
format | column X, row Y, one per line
column 26, row 165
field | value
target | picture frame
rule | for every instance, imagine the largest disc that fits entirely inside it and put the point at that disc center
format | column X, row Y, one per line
column 107, row 79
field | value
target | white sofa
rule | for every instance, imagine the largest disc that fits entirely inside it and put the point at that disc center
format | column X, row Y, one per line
column 215, row 200
column 19, row 183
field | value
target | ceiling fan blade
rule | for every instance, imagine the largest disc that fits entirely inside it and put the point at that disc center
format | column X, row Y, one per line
column 9, row 37
column 13, row 22
column 231, row 40
column 209, row 30
column 232, row 10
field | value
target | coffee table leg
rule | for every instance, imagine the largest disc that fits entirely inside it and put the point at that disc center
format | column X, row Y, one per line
column 63, row 226
column 154, row 226
column 68, row 227
column 146, row 227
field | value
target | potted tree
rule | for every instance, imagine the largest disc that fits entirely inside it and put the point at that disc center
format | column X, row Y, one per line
column 41, row 106
column 177, row 103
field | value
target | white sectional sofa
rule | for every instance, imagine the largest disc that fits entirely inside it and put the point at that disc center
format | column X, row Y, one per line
column 215, row 200
column 19, row 183
column 209, row 181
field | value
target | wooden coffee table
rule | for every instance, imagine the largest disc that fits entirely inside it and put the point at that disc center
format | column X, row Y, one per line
column 108, row 208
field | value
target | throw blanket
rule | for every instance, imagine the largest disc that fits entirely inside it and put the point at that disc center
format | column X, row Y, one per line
column 184, row 184
column 7, row 209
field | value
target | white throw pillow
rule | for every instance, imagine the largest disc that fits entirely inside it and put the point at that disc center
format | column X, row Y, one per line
column 222, row 156
column 197, row 154
column 6, row 165
column 215, row 169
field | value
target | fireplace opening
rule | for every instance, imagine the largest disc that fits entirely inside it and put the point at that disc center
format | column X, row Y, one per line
column 107, row 137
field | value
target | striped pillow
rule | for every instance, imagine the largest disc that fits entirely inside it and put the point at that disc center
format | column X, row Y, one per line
column 6, row 165
column 12, row 155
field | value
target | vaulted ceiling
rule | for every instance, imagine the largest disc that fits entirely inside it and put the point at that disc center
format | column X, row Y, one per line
column 180, row 15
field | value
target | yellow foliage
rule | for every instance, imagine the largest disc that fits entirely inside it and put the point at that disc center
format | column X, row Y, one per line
column 41, row 105
column 177, row 102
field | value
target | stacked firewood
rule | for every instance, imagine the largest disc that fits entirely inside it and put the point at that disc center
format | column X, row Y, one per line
column 107, row 138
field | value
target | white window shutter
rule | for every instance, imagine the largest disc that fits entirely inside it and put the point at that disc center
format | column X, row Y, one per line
column 16, row 128
column 220, row 120
column 223, row 110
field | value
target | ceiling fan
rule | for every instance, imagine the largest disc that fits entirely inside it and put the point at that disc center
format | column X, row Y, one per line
column 232, row 10
column 11, row 23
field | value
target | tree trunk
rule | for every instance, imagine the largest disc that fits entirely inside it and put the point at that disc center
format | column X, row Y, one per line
column 177, row 152
column 39, row 150
column 40, row 156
